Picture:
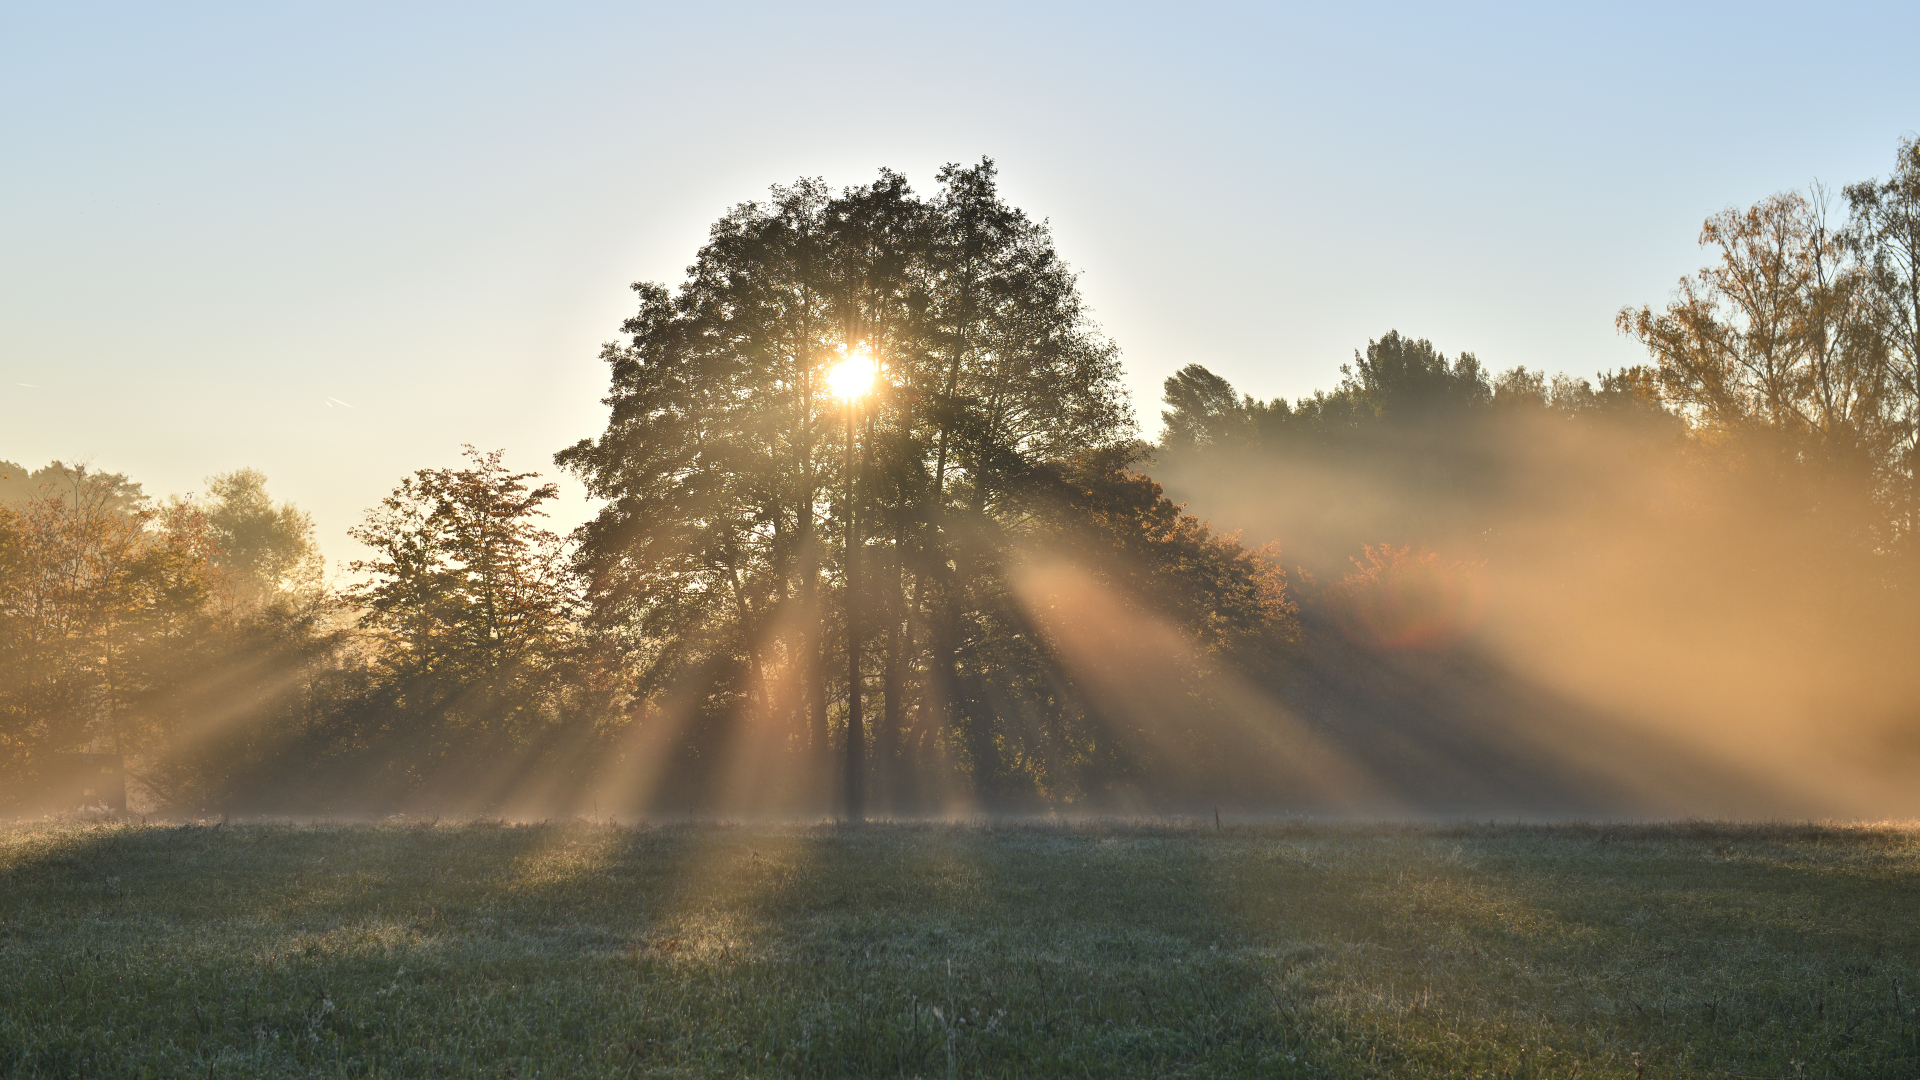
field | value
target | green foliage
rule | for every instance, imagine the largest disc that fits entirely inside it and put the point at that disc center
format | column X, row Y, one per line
column 963, row 585
column 264, row 549
column 1203, row 409
column 1401, row 377
column 1411, row 447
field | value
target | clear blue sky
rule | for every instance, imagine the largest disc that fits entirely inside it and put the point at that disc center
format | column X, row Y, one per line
column 213, row 218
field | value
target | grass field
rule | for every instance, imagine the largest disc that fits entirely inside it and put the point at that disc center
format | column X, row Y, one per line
column 1102, row 950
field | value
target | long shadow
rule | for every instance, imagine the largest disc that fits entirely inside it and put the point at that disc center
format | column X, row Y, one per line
column 1805, row 937
column 798, row 951
column 901, row 950
column 1021, row 950
column 1696, row 950
column 260, row 950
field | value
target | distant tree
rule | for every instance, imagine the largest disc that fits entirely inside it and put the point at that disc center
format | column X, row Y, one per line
column 1204, row 410
column 251, row 659
column 17, row 716
column 106, row 609
column 83, row 578
column 264, row 549
column 1396, row 382
column 14, row 485
column 1407, row 377
column 475, row 604
column 1777, row 335
column 19, row 484
column 1411, row 447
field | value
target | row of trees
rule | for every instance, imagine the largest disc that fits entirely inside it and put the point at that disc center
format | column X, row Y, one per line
column 962, row 590
column 1792, row 354
column 1718, row 545
column 196, row 639
column 133, row 627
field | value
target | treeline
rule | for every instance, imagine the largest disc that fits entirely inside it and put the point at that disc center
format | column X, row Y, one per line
column 1781, row 401
column 160, row 631
column 196, row 639
column 1699, row 575
column 949, row 583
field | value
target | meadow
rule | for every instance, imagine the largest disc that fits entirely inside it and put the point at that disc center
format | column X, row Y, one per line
column 582, row 949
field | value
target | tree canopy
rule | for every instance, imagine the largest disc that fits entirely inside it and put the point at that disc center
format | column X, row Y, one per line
column 721, row 550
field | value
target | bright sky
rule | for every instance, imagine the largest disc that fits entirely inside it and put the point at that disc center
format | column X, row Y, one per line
column 336, row 241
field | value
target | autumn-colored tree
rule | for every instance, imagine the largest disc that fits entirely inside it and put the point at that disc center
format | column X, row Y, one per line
column 1777, row 335
column 82, row 583
column 474, row 604
column 111, row 613
column 1402, row 598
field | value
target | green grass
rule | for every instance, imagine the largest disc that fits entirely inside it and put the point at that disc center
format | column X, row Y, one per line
column 1314, row 950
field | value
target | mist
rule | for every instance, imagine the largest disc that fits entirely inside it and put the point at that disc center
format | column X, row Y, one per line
column 1618, row 616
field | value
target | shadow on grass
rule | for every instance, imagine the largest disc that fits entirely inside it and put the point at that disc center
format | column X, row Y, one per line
column 935, row 950
column 1022, row 951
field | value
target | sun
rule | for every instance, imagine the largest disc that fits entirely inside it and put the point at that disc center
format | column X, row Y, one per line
column 852, row 377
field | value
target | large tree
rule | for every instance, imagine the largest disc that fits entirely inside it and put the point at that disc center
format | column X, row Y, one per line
column 720, row 550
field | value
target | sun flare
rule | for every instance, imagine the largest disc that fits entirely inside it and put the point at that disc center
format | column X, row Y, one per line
column 853, row 377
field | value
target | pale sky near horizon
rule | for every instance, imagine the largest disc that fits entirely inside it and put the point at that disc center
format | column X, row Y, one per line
column 335, row 242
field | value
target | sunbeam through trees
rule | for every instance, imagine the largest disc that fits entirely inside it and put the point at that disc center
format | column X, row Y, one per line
column 1683, row 587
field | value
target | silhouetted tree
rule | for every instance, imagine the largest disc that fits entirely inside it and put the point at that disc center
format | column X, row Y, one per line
column 719, row 541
